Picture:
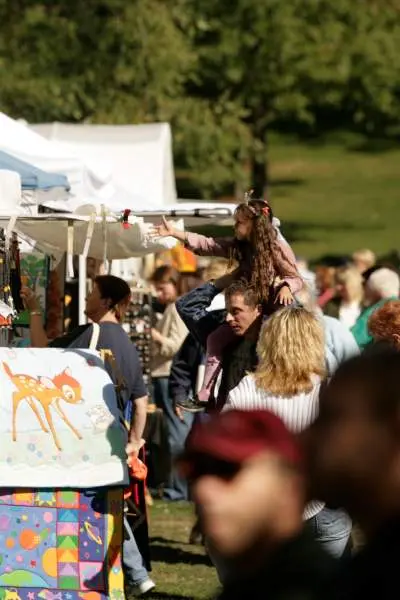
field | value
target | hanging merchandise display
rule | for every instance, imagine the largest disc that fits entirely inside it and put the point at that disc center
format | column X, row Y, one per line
column 34, row 268
column 15, row 273
column 5, row 288
column 138, row 326
column 10, row 285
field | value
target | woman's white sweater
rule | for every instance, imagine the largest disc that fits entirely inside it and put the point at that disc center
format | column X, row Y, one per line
column 297, row 412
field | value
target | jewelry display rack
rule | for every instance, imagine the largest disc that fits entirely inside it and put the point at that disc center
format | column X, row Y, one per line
column 10, row 285
column 138, row 324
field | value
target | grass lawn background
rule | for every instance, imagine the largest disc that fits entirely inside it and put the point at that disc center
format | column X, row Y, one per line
column 181, row 571
column 336, row 195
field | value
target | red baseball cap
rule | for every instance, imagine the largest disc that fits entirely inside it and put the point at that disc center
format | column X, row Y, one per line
column 235, row 436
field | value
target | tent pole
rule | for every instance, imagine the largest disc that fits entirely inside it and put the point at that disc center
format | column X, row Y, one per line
column 82, row 289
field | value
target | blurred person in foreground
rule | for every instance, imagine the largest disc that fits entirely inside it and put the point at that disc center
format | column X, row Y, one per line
column 363, row 260
column 247, row 479
column 382, row 285
column 353, row 457
column 287, row 380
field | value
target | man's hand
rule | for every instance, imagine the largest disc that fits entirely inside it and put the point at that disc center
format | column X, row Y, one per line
column 285, row 296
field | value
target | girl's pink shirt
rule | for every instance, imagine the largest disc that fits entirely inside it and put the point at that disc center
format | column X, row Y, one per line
column 221, row 247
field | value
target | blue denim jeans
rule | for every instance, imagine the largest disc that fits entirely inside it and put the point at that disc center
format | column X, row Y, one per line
column 192, row 308
column 332, row 528
column 134, row 570
column 177, row 487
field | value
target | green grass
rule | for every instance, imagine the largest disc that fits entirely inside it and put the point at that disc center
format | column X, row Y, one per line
column 336, row 195
column 181, row 571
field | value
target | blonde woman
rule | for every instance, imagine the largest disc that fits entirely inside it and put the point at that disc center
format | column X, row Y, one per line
column 291, row 353
column 346, row 305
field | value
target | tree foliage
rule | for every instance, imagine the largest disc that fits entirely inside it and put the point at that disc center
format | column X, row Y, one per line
column 223, row 73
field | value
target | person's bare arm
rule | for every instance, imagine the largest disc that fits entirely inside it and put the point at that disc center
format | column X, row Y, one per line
column 195, row 242
column 136, row 440
column 37, row 332
column 166, row 229
column 139, row 420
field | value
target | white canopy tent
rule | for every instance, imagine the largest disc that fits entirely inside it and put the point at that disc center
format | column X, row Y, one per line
column 109, row 168
column 90, row 181
column 138, row 158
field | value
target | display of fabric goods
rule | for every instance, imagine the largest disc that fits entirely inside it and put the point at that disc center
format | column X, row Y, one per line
column 62, row 436
column 60, row 422
column 5, row 283
column 15, row 274
column 61, row 544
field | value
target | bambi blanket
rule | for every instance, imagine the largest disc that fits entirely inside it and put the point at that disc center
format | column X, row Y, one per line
column 59, row 420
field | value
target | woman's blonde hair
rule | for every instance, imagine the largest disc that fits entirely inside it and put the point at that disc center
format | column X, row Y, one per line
column 352, row 279
column 291, row 349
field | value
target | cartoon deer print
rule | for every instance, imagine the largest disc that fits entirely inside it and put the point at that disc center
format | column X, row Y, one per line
column 49, row 393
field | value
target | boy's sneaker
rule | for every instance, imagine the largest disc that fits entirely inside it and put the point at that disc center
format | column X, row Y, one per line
column 193, row 405
column 141, row 589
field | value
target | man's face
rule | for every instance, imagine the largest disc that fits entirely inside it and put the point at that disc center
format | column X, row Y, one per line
column 349, row 447
column 240, row 316
column 238, row 510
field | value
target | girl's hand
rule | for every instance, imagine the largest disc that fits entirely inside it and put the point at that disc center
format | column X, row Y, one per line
column 29, row 299
column 164, row 229
column 285, row 296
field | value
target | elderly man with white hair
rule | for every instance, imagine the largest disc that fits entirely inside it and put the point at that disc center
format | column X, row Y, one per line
column 382, row 285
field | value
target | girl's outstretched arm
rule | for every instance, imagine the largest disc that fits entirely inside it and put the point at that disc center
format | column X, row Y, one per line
column 199, row 244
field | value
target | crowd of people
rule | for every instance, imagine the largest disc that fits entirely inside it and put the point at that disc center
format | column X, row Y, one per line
column 280, row 394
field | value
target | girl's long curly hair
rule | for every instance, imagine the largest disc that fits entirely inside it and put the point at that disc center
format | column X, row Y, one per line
column 262, row 254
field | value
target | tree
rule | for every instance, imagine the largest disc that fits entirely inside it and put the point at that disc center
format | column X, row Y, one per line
column 224, row 74
column 100, row 60
column 291, row 63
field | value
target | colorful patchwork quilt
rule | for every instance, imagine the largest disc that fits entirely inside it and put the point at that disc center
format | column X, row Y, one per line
column 61, row 544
